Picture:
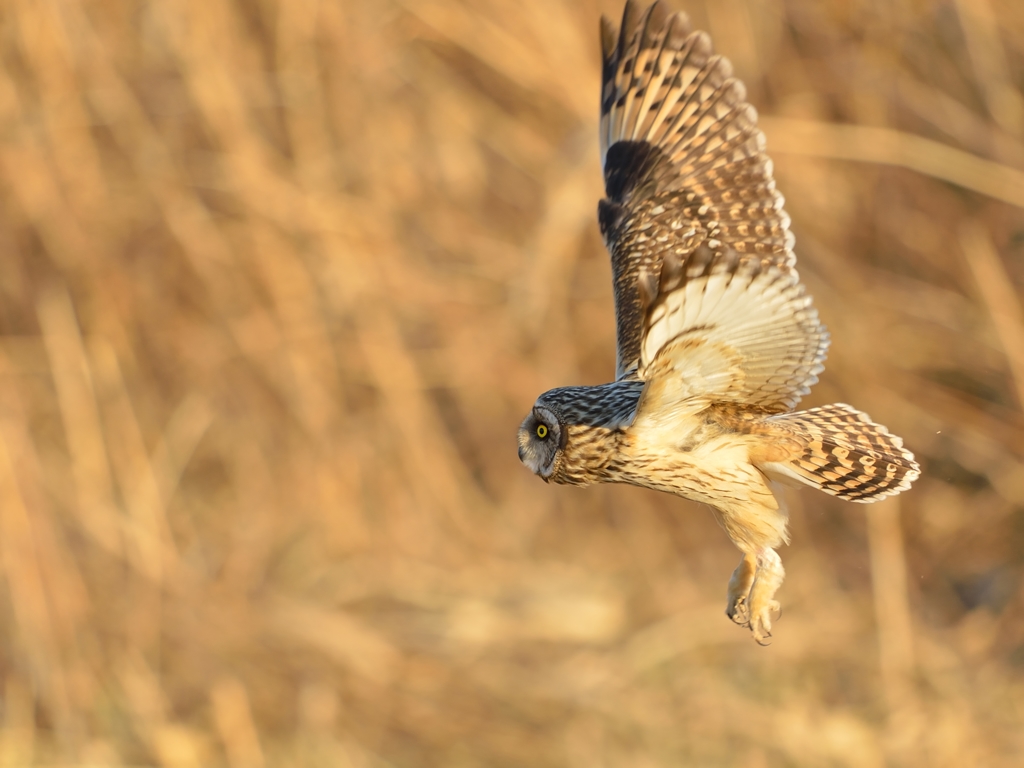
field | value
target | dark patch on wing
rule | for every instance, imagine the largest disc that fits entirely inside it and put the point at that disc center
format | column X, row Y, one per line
column 609, row 216
column 628, row 170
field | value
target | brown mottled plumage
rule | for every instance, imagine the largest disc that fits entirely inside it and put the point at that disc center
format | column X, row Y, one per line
column 717, row 340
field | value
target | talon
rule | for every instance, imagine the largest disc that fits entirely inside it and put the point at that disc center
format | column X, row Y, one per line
column 738, row 604
column 761, row 623
column 739, row 612
column 751, row 594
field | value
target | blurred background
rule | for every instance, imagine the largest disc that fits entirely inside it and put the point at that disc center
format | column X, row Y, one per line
column 279, row 282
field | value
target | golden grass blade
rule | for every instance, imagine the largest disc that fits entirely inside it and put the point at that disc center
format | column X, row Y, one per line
column 992, row 70
column 1001, row 300
column 71, row 373
column 152, row 544
column 233, row 715
column 958, row 121
column 892, row 614
column 487, row 40
column 887, row 146
column 23, row 567
column 17, row 737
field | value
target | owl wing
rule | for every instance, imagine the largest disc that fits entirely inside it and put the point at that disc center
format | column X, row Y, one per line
column 709, row 306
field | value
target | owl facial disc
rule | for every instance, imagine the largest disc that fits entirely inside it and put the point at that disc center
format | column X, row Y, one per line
column 540, row 438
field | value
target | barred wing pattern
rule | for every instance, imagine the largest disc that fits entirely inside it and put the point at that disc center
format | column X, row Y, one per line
column 721, row 329
column 845, row 454
column 706, row 292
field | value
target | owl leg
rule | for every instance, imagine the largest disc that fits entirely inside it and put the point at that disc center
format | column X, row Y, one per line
column 752, row 592
column 762, row 602
column 738, row 608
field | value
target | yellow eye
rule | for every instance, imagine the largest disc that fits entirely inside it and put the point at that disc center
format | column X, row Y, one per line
column 542, row 431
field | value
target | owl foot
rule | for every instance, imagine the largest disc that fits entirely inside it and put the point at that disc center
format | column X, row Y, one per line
column 752, row 591
column 738, row 607
column 761, row 622
column 739, row 611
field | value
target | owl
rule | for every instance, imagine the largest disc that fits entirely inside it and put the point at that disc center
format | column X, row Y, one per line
column 717, row 339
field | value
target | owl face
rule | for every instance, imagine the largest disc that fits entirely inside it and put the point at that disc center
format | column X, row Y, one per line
column 541, row 440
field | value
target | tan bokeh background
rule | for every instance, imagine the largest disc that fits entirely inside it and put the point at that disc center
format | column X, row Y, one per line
column 279, row 279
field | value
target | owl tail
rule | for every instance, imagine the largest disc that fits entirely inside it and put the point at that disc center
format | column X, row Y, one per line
column 844, row 453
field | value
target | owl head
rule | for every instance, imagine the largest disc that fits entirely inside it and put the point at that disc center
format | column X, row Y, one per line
column 541, row 440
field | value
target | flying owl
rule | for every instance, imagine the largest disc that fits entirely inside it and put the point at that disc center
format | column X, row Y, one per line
column 717, row 339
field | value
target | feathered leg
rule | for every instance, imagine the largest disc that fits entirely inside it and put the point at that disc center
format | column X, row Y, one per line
column 742, row 579
column 752, row 591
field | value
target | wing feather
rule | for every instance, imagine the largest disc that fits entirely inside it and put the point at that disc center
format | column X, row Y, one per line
column 728, row 328
column 709, row 306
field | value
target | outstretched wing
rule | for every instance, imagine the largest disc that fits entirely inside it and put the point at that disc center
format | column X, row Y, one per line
column 706, row 293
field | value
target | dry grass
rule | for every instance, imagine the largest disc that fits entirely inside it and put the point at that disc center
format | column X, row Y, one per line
column 280, row 280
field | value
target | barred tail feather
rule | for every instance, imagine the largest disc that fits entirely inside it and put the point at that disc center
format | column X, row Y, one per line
column 845, row 454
